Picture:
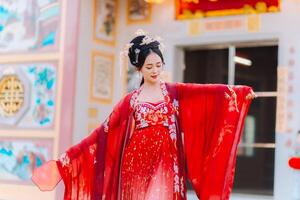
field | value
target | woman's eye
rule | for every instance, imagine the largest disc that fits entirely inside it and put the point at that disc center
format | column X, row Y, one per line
column 148, row 67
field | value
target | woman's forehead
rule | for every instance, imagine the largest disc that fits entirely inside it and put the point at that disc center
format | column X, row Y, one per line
column 152, row 58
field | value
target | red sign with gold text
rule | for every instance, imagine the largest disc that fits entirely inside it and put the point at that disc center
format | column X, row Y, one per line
column 189, row 9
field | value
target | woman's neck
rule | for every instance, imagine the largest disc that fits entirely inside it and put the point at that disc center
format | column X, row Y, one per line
column 151, row 92
column 151, row 86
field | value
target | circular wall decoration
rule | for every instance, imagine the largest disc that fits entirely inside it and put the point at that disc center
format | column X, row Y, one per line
column 11, row 95
column 14, row 96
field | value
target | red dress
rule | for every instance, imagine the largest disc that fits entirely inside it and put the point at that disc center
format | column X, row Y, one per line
column 150, row 167
column 192, row 135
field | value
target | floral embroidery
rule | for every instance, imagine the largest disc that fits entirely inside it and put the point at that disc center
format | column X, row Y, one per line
column 226, row 130
column 250, row 95
column 176, row 105
column 232, row 100
column 173, row 118
column 176, row 178
column 92, row 149
column 147, row 114
column 64, row 159
column 105, row 125
column 163, row 113
column 172, row 131
column 182, row 187
column 175, row 168
column 164, row 89
column 133, row 98
column 173, row 108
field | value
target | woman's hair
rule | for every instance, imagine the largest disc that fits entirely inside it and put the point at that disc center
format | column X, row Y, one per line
column 140, row 47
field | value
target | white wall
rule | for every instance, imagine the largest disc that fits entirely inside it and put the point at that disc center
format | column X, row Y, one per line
column 85, row 47
column 284, row 26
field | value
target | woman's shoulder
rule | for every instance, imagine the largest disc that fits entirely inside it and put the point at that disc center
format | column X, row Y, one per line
column 127, row 97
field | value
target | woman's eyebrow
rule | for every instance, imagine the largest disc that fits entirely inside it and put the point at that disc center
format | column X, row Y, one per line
column 150, row 64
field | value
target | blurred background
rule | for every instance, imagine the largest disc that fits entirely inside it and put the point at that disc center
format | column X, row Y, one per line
column 61, row 72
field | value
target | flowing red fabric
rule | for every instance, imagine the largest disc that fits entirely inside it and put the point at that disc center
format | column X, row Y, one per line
column 210, row 118
column 90, row 169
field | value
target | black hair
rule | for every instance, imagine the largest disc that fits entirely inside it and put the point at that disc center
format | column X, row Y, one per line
column 139, row 51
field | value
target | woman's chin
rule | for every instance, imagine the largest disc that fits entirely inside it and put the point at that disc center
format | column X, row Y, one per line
column 153, row 80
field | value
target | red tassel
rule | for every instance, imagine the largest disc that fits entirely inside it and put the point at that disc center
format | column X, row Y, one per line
column 294, row 163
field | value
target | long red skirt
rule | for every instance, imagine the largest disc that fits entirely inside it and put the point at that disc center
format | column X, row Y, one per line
column 149, row 166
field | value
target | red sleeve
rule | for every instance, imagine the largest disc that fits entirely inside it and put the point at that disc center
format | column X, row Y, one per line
column 82, row 165
column 212, row 118
column 76, row 167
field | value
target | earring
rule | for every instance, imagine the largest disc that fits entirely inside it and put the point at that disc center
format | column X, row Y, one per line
column 137, row 74
column 140, row 75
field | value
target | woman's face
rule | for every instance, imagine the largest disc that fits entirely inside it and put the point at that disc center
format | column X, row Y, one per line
column 152, row 68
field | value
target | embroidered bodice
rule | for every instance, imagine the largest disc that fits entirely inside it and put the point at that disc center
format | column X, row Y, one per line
column 160, row 113
column 149, row 114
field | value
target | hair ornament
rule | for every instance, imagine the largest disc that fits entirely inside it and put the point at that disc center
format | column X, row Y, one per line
column 127, row 47
column 125, row 51
column 161, row 45
column 158, row 38
column 140, row 32
column 147, row 40
column 137, row 51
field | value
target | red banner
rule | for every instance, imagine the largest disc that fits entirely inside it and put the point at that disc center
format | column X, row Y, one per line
column 189, row 9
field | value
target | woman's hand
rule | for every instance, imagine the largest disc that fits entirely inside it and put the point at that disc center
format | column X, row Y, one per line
column 47, row 176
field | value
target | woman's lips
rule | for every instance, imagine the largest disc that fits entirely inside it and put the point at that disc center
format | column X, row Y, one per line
column 154, row 76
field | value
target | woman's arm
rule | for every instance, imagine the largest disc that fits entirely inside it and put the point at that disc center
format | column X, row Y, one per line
column 70, row 165
column 212, row 117
column 191, row 90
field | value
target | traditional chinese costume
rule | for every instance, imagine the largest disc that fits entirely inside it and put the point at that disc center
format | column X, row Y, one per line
column 147, row 150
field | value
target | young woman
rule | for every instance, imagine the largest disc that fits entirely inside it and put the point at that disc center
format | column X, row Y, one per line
column 155, row 138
